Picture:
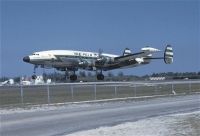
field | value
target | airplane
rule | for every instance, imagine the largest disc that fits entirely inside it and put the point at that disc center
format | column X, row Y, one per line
column 71, row 61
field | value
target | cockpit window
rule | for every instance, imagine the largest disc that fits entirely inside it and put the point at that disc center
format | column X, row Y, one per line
column 35, row 54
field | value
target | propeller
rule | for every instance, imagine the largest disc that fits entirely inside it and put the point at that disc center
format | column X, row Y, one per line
column 100, row 59
column 100, row 54
column 84, row 63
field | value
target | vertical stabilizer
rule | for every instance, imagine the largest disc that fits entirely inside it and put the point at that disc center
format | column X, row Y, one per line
column 168, row 54
column 127, row 51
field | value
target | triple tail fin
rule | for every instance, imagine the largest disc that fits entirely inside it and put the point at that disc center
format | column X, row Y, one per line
column 127, row 51
column 168, row 54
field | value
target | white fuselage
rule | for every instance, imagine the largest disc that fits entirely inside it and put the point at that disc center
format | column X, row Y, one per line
column 51, row 54
column 66, row 58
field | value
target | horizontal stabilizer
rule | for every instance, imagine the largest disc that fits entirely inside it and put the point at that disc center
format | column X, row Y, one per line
column 129, row 56
column 168, row 55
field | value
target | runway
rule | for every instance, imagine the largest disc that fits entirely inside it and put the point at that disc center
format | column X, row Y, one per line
column 73, row 118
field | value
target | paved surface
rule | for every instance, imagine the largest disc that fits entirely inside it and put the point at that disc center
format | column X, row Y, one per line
column 74, row 118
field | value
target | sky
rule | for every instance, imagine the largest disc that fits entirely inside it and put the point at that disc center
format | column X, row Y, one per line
column 34, row 25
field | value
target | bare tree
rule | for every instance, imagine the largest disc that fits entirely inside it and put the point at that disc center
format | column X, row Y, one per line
column 89, row 74
column 120, row 74
column 82, row 73
column 110, row 74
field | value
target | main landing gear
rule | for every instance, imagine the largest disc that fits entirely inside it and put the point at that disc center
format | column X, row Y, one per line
column 71, row 75
column 100, row 76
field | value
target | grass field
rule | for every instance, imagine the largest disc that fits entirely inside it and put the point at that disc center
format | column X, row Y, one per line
column 44, row 94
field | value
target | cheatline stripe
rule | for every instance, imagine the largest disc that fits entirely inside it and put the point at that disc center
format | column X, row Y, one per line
column 170, row 48
column 126, row 54
column 169, row 56
column 169, row 53
column 127, row 51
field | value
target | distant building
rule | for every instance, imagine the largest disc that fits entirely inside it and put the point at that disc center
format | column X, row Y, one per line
column 48, row 81
column 26, row 83
column 8, row 82
column 39, row 80
column 156, row 78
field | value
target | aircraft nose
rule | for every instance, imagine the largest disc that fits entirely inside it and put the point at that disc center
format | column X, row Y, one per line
column 26, row 59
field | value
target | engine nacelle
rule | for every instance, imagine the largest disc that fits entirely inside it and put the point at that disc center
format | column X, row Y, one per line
column 85, row 63
column 109, row 60
column 104, row 60
column 139, row 60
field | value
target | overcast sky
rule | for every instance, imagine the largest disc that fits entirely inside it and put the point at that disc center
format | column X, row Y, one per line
column 112, row 26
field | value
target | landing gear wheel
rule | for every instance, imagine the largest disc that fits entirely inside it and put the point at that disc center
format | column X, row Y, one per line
column 100, row 77
column 34, row 77
column 34, row 71
column 73, row 77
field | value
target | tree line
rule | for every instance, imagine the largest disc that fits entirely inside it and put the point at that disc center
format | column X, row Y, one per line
column 120, row 76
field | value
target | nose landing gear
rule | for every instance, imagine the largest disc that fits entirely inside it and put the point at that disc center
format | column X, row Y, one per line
column 34, row 76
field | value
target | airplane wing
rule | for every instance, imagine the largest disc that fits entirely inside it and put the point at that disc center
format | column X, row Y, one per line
column 120, row 61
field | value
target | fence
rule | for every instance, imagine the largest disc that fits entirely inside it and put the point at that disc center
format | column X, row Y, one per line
column 74, row 92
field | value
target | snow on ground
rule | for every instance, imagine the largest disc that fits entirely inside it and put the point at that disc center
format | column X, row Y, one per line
column 184, row 124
